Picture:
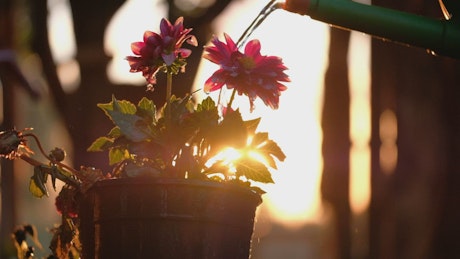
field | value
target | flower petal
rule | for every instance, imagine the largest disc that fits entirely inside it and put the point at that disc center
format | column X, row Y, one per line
column 249, row 73
column 136, row 47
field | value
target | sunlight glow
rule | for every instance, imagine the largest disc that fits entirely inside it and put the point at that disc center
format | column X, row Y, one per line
column 360, row 125
column 229, row 156
column 226, row 156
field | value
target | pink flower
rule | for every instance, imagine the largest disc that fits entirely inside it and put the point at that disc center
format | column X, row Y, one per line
column 249, row 73
column 162, row 51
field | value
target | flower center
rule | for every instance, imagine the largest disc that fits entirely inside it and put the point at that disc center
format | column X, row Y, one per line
column 247, row 62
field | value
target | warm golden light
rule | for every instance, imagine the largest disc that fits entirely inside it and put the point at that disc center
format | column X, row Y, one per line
column 360, row 125
column 226, row 157
column 388, row 137
column 229, row 156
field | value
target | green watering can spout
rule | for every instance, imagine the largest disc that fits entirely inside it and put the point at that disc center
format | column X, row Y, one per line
column 438, row 36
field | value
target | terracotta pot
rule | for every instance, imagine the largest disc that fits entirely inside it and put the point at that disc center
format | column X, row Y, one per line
column 167, row 218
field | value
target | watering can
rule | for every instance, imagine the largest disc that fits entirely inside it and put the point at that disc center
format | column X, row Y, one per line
column 438, row 36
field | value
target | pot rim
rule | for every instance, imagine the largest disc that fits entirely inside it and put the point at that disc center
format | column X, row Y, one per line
column 175, row 181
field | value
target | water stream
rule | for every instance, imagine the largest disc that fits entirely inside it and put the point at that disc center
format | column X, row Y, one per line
column 264, row 13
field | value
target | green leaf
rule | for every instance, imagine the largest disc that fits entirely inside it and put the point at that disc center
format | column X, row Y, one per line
column 253, row 170
column 259, row 138
column 252, row 125
column 207, row 104
column 272, row 148
column 178, row 108
column 115, row 132
column 206, row 115
column 54, row 171
column 117, row 155
column 267, row 148
column 268, row 159
column 60, row 171
column 146, row 108
column 233, row 131
column 123, row 115
column 204, row 120
column 147, row 105
column 100, row 144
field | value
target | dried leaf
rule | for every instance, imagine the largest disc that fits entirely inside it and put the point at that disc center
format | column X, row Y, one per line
column 37, row 182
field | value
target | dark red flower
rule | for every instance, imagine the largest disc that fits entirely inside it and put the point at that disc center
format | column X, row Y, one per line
column 249, row 73
column 67, row 201
column 162, row 51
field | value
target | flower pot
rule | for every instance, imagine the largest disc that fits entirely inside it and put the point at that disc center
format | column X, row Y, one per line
column 167, row 218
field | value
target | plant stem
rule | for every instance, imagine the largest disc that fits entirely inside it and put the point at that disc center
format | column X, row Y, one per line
column 168, row 97
column 231, row 98
column 30, row 160
column 168, row 86
column 168, row 115
column 72, row 170
column 58, row 175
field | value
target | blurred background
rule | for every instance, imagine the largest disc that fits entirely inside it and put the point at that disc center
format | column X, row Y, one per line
column 370, row 128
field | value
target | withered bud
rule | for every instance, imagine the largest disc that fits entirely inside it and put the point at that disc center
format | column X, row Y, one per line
column 57, row 154
column 10, row 140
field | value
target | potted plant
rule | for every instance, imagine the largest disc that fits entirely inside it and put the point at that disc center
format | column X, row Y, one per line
column 172, row 192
